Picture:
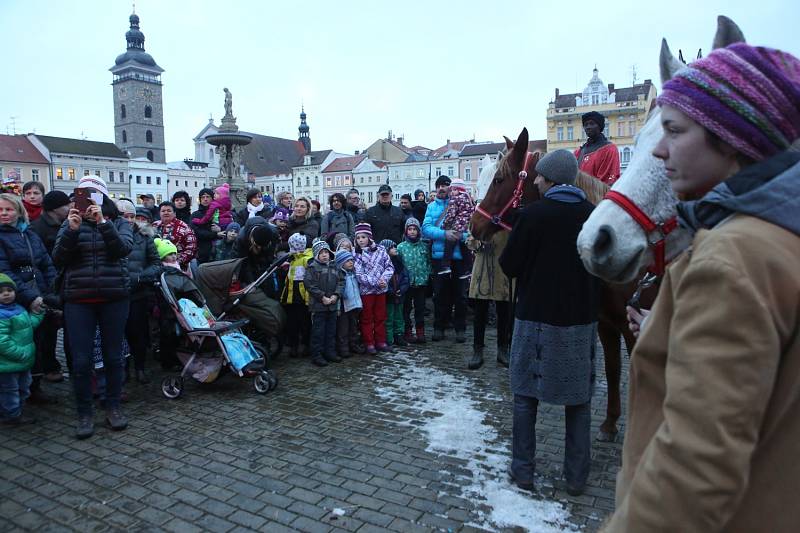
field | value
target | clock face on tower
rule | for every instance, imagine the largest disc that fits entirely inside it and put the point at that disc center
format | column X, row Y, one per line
column 146, row 93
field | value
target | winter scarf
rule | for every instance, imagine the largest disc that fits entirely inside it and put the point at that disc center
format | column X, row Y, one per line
column 351, row 296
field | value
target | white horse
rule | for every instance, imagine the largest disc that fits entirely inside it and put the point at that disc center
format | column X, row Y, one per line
column 612, row 244
column 488, row 169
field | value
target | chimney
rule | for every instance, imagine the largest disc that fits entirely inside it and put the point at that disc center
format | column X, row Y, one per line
column 610, row 88
column 556, row 92
column 448, row 141
column 648, row 82
column 400, row 140
column 357, row 152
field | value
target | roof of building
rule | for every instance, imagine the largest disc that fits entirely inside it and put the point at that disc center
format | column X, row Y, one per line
column 455, row 146
column 268, row 156
column 317, row 157
column 342, row 164
column 63, row 145
column 18, row 149
column 482, row 149
column 135, row 52
column 621, row 94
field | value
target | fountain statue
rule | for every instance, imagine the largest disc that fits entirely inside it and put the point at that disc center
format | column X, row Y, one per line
column 230, row 143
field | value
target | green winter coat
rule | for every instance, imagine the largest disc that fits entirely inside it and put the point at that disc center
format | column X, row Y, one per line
column 17, row 349
column 417, row 259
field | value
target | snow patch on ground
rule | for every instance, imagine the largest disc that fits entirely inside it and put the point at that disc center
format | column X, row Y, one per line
column 455, row 426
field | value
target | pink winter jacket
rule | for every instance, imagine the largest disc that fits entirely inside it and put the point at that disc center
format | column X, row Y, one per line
column 373, row 264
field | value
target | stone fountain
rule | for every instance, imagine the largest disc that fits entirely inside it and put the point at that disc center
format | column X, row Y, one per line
column 230, row 143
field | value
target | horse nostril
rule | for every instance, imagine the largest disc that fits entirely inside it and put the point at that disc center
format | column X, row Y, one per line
column 603, row 244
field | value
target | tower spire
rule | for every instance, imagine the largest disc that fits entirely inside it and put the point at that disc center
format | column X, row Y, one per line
column 303, row 130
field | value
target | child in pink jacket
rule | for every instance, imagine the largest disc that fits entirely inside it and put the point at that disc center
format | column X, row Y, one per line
column 374, row 269
column 220, row 209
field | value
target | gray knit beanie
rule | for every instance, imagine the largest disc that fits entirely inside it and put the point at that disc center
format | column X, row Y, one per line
column 559, row 166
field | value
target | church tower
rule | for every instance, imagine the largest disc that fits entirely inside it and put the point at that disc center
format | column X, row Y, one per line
column 138, row 106
column 303, row 129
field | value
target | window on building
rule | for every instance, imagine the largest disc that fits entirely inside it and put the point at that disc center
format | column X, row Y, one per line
column 158, row 180
column 111, row 176
column 124, row 136
column 122, row 111
column 595, row 99
column 59, row 173
column 210, row 154
column 113, row 195
column 361, row 179
column 559, row 134
column 397, row 174
column 148, row 112
column 370, row 179
column 420, row 173
column 35, row 174
column 298, row 182
column 620, row 129
column 71, row 173
column 195, row 184
column 626, row 155
column 369, row 195
column 308, row 181
column 467, row 174
column 150, row 155
column 438, row 171
column 148, row 136
column 148, row 180
column 86, row 172
column 139, row 180
column 631, row 128
column 185, row 183
column 316, row 181
column 570, row 133
column 97, row 173
column 450, row 171
column 338, row 181
column 347, row 180
column 327, row 181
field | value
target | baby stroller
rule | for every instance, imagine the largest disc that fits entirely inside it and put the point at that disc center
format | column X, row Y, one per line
column 220, row 282
column 208, row 346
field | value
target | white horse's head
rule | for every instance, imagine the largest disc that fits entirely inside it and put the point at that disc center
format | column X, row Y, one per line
column 488, row 170
column 612, row 245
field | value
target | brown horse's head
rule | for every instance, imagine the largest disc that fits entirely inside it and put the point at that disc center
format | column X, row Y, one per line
column 503, row 185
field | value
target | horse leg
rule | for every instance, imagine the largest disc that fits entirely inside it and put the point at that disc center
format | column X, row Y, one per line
column 609, row 338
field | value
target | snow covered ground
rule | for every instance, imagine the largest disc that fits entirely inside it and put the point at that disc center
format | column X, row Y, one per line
column 454, row 425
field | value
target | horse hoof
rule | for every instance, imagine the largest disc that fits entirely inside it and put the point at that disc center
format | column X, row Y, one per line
column 605, row 436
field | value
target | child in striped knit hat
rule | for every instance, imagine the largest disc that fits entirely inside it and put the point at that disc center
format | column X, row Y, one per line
column 324, row 282
column 374, row 269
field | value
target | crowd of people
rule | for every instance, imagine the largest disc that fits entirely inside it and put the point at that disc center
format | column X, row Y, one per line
column 714, row 389
column 88, row 265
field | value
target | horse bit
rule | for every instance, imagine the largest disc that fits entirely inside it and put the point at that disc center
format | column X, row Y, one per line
column 515, row 200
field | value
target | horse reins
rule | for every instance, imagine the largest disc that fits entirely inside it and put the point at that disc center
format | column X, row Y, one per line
column 514, row 201
column 649, row 226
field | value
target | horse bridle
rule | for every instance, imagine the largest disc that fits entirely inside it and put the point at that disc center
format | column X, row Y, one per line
column 514, row 201
column 649, row 226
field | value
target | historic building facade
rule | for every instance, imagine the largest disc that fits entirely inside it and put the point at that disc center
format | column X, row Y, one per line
column 21, row 161
column 138, row 103
column 625, row 108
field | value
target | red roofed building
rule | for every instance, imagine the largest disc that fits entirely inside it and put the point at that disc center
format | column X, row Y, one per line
column 338, row 175
column 21, row 161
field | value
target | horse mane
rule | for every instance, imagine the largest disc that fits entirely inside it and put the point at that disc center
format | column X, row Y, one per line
column 594, row 188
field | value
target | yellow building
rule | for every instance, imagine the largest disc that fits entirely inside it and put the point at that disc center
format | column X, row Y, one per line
column 625, row 109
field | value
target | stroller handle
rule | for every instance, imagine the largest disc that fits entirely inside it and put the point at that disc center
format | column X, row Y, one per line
column 252, row 286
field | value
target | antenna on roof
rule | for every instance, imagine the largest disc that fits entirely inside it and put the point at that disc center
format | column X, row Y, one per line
column 634, row 76
column 134, row 8
column 13, row 125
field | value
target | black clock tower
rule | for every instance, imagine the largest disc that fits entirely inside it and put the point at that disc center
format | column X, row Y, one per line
column 138, row 106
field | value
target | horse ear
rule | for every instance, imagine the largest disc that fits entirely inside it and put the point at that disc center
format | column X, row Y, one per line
column 520, row 147
column 509, row 143
column 500, row 155
column 728, row 32
column 667, row 63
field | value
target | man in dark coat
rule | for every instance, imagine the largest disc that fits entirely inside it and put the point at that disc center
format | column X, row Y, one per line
column 387, row 220
column 555, row 329
column 149, row 203
column 206, row 233
column 55, row 210
column 354, row 206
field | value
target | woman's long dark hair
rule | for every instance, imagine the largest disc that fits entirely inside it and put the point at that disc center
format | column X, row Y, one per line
column 340, row 197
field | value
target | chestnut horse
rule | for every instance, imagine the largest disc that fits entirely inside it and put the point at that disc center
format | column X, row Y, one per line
column 612, row 320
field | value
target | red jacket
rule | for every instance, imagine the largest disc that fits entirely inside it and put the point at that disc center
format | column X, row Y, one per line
column 182, row 236
column 603, row 163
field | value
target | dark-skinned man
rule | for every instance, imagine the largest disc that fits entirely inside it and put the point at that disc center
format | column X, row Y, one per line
column 598, row 157
column 387, row 220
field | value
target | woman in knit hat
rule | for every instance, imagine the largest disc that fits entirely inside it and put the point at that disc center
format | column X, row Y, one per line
column 713, row 429
column 92, row 250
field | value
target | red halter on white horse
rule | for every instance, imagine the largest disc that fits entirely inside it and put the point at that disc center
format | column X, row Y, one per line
column 515, row 199
column 649, row 226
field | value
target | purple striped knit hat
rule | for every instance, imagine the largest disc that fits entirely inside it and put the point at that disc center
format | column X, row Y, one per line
column 363, row 227
column 748, row 96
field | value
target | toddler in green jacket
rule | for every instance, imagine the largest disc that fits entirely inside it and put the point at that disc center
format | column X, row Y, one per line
column 17, row 352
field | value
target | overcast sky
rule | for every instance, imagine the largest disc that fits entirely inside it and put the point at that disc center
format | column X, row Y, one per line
column 425, row 69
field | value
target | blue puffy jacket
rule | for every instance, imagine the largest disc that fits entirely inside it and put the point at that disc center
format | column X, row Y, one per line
column 24, row 258
column 431, row 229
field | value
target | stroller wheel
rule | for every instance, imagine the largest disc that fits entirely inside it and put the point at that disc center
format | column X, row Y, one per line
column 172, row 387
column 262, row 382
column 273, row 380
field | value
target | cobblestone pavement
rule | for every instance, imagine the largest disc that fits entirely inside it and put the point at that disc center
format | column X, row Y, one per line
column 357, row 446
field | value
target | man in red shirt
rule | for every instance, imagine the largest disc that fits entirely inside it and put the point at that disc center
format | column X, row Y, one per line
column 598, row 157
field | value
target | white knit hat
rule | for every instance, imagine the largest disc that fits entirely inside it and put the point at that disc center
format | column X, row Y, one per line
column 94, row 182
column 297, row 243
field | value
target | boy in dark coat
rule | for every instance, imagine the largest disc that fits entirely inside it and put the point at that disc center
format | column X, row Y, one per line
column 324, row 282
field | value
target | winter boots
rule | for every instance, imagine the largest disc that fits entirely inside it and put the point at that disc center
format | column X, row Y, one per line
column 438, row 334
column 421, row 335
column 502, row 355
column 476, row 361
